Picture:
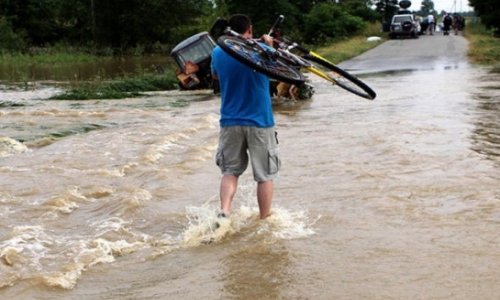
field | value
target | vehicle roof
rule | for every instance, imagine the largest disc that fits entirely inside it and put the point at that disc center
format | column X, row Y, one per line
column 405, row 16
column 188, row 41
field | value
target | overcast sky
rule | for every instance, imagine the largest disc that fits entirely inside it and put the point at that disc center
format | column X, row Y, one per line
column 446, row 5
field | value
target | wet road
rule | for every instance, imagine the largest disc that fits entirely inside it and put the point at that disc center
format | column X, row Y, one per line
column 397, row 198
column 425, row 53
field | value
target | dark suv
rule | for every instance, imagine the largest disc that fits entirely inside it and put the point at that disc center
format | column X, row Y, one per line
column 404, row 25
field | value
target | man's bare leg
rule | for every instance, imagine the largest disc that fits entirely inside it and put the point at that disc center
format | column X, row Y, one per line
column 228, row 186
column 265, row 197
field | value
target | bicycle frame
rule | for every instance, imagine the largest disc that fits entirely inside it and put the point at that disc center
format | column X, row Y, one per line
column 284, row 65
column 286, row 47
column 316, row 64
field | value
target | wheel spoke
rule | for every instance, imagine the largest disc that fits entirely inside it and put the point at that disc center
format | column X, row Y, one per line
column 257, row 58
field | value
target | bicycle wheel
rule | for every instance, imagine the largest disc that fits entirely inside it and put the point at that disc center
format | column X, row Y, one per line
column 257, row 59
column 341, row 78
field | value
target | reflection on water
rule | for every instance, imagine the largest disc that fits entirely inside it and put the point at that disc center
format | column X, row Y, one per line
column 264, row 266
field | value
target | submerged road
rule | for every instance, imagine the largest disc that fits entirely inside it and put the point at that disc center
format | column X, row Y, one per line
column 424, row 53
column 396, row 198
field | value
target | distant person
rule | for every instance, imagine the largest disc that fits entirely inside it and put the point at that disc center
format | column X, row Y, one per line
column 458, row 23
column 447, row 21
column 246, row 124
column 424, row 25
column 418, row 22
column 431, row 24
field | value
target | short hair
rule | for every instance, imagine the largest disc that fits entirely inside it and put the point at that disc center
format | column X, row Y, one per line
column 240, row 23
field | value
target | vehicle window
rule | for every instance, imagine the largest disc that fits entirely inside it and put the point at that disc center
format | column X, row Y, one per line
column 401, row 19
column 197, row 52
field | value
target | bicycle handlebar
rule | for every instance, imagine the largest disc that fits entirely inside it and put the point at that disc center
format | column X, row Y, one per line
column 277, row 23
column 288, row 44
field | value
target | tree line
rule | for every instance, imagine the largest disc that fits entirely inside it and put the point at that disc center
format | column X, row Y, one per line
column 121, row 25
column 489, row 12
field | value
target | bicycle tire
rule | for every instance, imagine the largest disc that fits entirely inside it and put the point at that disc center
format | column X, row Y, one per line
column 252, row 56
column 342, row 78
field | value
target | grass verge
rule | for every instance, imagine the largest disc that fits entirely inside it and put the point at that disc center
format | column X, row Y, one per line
column 121, row 88
column 484, row 48
column 21, row 59
column 348, row 48
column 135, row 86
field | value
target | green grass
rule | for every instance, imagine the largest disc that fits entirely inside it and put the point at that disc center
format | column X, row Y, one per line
column 47, row 56
column 136, row 85
column 121, row 88
column 484, row 48
column 348, row 48
column 18, row 66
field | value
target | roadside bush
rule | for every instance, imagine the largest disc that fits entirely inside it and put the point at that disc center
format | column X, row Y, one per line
column 10, row 41
column 329, row 21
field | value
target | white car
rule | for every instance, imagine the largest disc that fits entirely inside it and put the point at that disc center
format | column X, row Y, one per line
column 404, row 25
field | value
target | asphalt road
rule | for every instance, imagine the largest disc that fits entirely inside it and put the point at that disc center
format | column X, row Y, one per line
column 426, row 52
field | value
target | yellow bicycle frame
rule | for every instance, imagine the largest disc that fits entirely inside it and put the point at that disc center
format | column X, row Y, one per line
column 319, row 72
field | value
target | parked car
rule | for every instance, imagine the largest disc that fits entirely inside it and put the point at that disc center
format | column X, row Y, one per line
column 193, row 57
column 404, row 25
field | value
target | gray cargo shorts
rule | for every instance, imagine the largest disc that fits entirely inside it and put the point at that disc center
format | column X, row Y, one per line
column 262, row 145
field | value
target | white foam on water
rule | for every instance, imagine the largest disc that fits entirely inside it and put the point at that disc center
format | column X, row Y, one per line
column 287, row 224
column 155, row 151
column 67, row 202
column 112, row 239
column 98, row 251
column 204, row 226
column 35, row 254
column 26, row 247
column 29, row 91
column 10, row 147
column 107, row 225
column 65, row 279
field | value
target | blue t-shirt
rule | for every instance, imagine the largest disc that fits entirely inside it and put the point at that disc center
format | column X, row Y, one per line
column 246, row 99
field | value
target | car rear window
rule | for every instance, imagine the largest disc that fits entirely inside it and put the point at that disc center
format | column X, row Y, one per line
column 401, row 19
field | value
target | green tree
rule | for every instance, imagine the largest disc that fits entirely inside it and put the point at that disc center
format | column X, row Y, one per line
column 38, row 19
column 489, row 11
column 360, row 8
column 427, row 7
column 386, row 9
column 326, row 21
column 10, row 40
column 263, row 12
column 124, row 24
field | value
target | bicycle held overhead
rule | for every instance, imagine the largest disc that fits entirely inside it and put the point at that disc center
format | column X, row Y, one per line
column 282, row 64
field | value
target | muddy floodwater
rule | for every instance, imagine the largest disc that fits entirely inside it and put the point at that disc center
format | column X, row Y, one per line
column 396, row 198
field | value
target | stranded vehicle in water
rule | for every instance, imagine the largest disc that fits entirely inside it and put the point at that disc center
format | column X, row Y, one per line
column 193, row 57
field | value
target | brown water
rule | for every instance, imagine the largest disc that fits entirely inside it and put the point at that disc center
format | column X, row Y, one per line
column 397, row 198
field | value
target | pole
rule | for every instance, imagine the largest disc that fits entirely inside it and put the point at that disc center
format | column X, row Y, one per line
column 92, row 16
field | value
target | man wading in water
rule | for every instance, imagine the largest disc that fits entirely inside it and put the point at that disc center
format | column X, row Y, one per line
column 247, row 124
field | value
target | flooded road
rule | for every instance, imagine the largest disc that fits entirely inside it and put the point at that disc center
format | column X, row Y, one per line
column 396, row 198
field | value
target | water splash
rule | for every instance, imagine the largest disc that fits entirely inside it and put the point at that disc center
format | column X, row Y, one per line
column 204, row 227
column 10, row 147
